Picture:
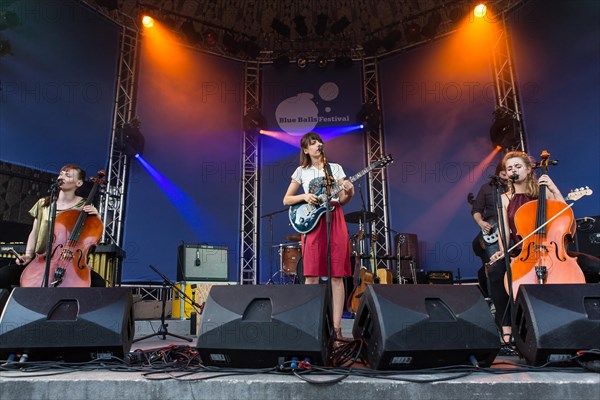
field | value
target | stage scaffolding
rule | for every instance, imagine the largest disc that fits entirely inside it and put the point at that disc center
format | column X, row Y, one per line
column 249, row 226
column 375, row 150
column 113, row 201
column 505, row 85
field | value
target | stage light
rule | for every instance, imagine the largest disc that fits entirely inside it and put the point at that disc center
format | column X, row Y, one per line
column 230, row 44
column 339, row 25
column 322, row 61
column 392, row 38
column 5, row 49
column 281, row 28
column 9, row 19
column 504, row 131
column 431, row 27
column 343, row 62
column 413, row 32
column 282, row 61
column 301, row 27
column 132, row 141
column 210, row 38
column 148, row 21
column 254, row 121
column 108, row 4
column 369, row 117
column 371, row 47
column 301, row 61
column 321, row 24
column 480, row 10
column 191, row 34
column 251, row 49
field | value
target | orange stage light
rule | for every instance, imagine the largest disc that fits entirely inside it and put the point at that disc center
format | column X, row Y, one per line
column 480, row 10
column 148, row 21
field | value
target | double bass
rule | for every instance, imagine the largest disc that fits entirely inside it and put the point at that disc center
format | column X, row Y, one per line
column 543, row 258
column 75, row 232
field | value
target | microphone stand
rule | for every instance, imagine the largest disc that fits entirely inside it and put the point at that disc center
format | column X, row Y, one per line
column 52, row 219
column 327, row 184
column 497, row 184
column 162, row 330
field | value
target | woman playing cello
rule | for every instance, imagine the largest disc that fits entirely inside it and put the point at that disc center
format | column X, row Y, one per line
column 72, row 178
column 523, row 188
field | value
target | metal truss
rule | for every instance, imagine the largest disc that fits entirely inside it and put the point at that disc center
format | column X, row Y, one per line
column 113, row 202
column 375, row 150
column 250, row 185
column 505, row 86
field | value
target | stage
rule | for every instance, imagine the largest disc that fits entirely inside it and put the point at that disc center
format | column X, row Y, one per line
column 508, row 378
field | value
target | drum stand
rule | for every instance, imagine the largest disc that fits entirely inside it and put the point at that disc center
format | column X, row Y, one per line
column 284, row 277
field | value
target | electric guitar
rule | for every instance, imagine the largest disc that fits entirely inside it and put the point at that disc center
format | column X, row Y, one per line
column 492, row 237
column 304, row 216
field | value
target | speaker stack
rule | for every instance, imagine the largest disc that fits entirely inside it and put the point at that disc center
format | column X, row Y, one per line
column 554, row 322
column 264, row 326
column 70, row 324
column 425, row 326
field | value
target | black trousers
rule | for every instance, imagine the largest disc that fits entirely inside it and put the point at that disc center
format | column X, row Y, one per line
column 10, row 276
column 590, row 266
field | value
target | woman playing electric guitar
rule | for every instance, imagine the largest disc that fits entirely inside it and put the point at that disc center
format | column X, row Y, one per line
column 311, row 176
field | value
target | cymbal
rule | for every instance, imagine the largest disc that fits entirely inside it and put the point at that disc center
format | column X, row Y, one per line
column 294, row 237
column 359, row 216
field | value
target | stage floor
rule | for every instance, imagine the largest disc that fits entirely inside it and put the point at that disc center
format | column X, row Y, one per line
column 506, row 379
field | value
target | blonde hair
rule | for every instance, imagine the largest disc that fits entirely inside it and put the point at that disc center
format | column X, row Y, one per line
column 532, row 188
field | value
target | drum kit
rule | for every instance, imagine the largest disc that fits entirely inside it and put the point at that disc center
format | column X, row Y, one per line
column 290, row 261
column 290, row 253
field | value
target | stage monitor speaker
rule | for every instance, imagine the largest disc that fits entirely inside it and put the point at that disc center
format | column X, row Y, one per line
column 553, row 322
column 70, row 324
column 202, row 263
column 425, row 326
column 263, row 326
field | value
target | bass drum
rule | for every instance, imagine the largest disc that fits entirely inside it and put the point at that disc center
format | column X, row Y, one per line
column 299, row 279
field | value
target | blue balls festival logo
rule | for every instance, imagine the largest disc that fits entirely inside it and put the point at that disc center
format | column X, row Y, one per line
column 299, row 114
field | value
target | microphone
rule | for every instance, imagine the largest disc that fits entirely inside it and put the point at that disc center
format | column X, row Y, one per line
column 55, row 185
column 514, row 177
column 197, row 263
column 321, row 148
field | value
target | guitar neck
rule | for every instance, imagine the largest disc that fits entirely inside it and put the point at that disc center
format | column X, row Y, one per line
column 355, row 177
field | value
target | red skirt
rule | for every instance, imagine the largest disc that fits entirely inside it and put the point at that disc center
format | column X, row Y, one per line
column 314, row 247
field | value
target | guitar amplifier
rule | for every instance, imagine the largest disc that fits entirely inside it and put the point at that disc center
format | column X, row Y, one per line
column 587, row 236
column 202, row 263
column 444, row 277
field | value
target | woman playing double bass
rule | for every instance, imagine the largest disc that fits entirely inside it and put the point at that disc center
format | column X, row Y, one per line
column 523, row 188
column 72, row 177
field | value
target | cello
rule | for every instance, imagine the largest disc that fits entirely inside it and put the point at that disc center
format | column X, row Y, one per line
column 543, row 258
column 75, row 232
